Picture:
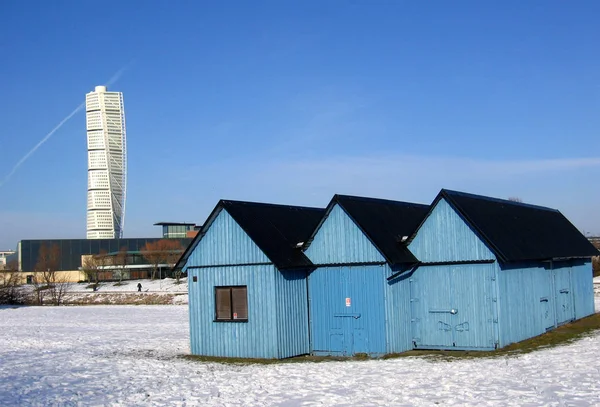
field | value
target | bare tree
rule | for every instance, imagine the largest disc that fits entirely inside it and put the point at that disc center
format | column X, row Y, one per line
column 120, row 262
column 59, row 287
column 93, row 265
column 164, row 251
column 172, row 257
column 47, row 280
column 12, row 265
column 46, row 265
column 10, row 282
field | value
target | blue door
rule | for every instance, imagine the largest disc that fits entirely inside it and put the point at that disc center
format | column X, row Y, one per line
column 453, row 307
column 346, row 310
column 473, row 300
column 432, row 307
column 563, row 295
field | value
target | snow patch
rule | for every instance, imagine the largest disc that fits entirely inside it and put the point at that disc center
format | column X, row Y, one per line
column 130, row 355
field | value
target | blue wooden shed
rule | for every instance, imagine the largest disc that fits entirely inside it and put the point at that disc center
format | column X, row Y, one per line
column 357, row 246
column 492, row 272
column 247, row 281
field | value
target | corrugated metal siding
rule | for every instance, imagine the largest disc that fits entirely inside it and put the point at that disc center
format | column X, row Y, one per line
column 453, row 307
column 292, row 314
column 527, row 303
column 444, row 236
column 583, row 289
column 338, row 329
column 398, row 314
column 256, row 338
column 226, row 242
column 340, row 241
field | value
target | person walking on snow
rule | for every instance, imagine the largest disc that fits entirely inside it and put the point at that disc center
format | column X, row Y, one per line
column 139, row 286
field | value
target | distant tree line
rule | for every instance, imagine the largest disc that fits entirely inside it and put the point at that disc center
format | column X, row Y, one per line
column 164, row 252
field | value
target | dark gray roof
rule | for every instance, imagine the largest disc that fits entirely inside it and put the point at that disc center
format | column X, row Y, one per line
column 174, row 224
column 516, row 231
column 384, row 222
column 276, row 230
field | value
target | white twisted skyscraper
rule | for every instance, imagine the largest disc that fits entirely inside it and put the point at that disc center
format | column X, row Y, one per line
column 107, row 163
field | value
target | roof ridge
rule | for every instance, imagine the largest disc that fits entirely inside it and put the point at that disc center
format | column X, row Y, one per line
column 370, row 199
column 498, row 200
column 267, row 204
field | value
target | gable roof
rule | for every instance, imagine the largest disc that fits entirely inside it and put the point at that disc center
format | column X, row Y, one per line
column 275, row 229
column 384, row 222
column 516, row 231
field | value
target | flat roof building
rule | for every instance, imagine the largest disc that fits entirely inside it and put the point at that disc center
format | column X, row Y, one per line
column 4, row 255
column 178, row 230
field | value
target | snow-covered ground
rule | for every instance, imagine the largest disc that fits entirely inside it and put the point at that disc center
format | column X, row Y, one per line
column 130, row 286
column 129, row 356
column 165, row 291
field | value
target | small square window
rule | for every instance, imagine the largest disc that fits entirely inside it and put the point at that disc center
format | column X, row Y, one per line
column 231, row 304
column 195, row 279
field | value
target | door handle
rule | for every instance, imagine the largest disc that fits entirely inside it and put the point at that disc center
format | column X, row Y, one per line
column 444, row 311
column 564, row 291
column 355, row 316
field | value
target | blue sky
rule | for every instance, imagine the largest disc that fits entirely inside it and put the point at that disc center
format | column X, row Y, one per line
column 291, row 102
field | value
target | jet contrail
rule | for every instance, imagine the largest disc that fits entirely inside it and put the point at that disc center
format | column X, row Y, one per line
column 119, row 73
column 112, row 80
column 42, row 141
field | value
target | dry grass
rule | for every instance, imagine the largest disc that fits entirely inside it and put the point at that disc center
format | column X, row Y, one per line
column 119, row 299
column 562, row 335
column 256, row 361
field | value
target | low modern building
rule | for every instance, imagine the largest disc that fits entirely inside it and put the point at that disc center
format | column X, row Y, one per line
column 175, row 230
column 4, row 258
column 68, row 256
column 72, row 250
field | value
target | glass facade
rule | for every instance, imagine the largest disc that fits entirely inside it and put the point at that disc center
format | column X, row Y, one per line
column 71, row 250
column 176, row 231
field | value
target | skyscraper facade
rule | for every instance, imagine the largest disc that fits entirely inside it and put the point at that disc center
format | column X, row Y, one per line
column 107, row 163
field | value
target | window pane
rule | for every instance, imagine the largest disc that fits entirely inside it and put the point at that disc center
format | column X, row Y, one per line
column 240, row 302
column 223, row 303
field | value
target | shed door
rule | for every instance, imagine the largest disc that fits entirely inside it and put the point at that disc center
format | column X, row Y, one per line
column 431, row 301
column 453, row 307
column 472, row 290
column 563, row 295
column 346, row 310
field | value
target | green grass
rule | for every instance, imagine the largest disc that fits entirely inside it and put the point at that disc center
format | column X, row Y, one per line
column 562, row 335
